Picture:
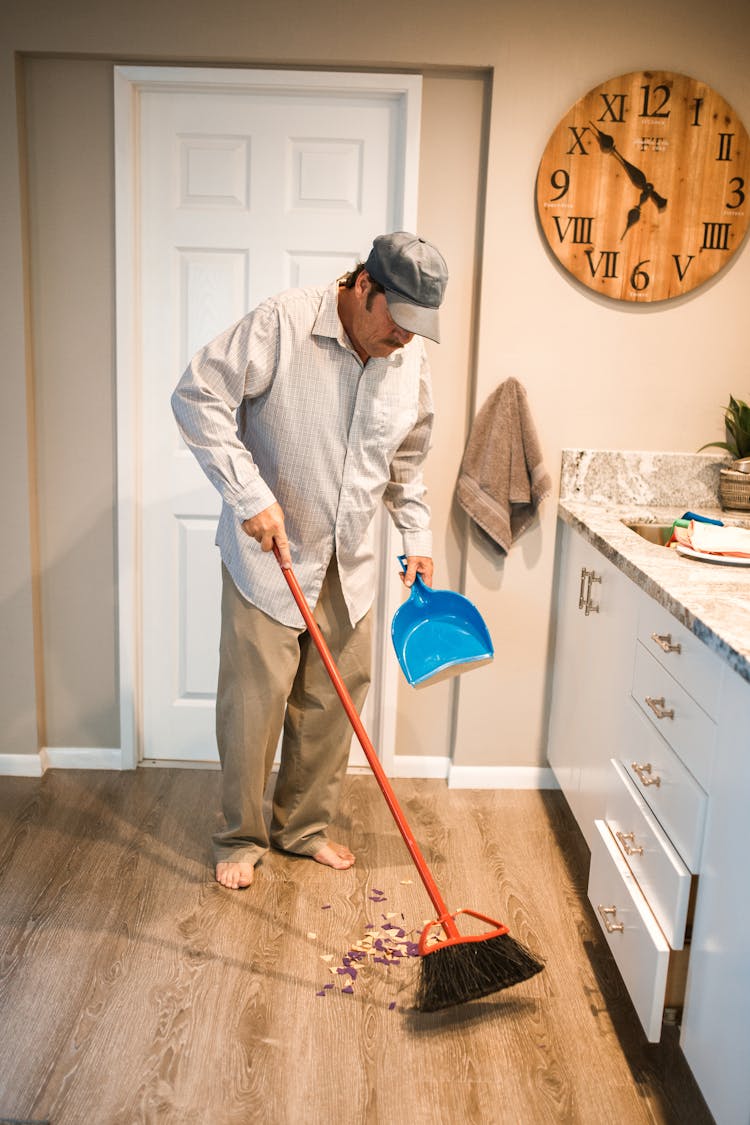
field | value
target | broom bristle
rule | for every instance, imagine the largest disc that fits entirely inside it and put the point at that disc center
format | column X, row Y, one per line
column 467, row 970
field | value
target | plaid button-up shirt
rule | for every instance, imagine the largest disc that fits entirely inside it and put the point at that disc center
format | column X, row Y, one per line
column 280, row 407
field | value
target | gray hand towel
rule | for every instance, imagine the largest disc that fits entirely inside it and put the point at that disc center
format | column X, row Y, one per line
column 502, row 478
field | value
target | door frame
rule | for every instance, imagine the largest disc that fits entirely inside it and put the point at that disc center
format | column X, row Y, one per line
column 129, row 82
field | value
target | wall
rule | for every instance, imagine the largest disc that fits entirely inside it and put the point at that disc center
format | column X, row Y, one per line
column 68, row 109
column 596, row 373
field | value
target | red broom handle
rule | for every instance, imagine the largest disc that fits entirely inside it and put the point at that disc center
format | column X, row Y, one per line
column 444, row 917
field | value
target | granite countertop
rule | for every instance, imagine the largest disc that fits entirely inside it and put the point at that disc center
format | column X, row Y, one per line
column 601, row 491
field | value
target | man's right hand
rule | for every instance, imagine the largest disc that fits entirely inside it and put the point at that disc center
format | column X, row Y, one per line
column 267, row 528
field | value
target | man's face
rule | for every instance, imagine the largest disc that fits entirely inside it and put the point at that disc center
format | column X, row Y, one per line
column 373, row 326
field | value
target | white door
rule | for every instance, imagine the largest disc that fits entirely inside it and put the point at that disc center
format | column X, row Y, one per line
column 247, row 183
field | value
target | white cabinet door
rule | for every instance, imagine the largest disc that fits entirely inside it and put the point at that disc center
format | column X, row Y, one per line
column 593, row 662
column 714, row 1029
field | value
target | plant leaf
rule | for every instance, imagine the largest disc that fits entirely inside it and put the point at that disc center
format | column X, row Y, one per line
column 717, row 445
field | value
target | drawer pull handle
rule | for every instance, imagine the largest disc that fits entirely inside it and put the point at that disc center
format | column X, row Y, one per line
column 664, row 641
column 630, row 848
column 646, row 769
column 610, row 927
column 589, row 606
column 659, row 709
column 581, row 594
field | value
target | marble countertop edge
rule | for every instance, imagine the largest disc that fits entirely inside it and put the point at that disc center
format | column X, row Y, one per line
column 711, row 600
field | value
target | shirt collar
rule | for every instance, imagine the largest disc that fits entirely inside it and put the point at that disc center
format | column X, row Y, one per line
column 327, row 321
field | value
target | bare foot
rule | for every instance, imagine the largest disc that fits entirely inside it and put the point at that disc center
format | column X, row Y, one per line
column 234, row 874
column 335, row 855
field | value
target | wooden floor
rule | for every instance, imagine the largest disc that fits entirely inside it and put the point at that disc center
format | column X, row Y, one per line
column 134, row 989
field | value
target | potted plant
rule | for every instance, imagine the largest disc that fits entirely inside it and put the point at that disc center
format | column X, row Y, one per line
column 734, row 481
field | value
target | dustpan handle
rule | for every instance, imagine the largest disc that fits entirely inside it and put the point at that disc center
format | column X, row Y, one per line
column 367, row 746
column 419, row 589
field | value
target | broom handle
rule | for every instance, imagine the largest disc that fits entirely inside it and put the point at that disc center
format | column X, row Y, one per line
column 444, row 917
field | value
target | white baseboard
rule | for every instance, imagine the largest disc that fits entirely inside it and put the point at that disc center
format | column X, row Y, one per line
column 60, row 758
column 501, row 777
column 417, row 765
column 403, row 765
column 170, row 764
column 20, row 765
column 468, row 777
column 80, row 758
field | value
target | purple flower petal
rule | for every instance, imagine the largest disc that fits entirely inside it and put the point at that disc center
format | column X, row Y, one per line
column 392, row 1005
column 349, row 990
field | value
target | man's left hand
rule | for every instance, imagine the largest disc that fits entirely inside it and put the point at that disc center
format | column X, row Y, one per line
column 417, row 564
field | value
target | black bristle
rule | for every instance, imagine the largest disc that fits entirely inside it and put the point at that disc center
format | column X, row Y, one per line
column 453, row 974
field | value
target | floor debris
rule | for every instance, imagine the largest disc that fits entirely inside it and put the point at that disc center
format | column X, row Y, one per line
column 389, row 942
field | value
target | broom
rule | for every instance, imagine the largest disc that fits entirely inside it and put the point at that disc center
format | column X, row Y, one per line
column 454, row 968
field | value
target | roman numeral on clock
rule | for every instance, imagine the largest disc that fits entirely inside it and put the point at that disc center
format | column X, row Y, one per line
column 725, row 146
column 578, row 147
column 716, row 236
column 614, row 108
column 682, row 270
column 581, row 225
column 607, row 259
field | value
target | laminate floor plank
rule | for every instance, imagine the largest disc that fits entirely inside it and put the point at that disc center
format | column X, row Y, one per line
column 136, row 991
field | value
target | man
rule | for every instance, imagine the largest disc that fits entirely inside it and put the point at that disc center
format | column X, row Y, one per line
column 304, row 415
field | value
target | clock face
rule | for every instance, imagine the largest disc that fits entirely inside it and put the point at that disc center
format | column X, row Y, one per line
column 643, row 190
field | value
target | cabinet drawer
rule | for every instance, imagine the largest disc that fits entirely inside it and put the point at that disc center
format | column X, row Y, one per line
column 685, row 726
column 662, row 876
column 636, row 942
column 668, row 788
column 688, row 659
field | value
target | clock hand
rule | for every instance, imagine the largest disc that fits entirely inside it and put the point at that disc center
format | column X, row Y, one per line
column 635, row 175
column 634, row 214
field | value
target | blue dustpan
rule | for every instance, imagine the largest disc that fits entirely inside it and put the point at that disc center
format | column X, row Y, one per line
column 437, row 634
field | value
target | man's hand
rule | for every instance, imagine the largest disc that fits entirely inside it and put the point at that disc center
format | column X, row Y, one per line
column 417, row 564
column 267, row 528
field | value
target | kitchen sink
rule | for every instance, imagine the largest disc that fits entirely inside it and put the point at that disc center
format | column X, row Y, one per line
column 658, row 533
column 661, row 533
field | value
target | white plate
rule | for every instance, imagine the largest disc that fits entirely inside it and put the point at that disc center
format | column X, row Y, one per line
column 724, row 560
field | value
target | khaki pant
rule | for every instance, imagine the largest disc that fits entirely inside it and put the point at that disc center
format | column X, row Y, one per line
column 271, row 678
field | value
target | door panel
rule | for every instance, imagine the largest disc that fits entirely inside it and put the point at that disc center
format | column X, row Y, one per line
column 241, row 192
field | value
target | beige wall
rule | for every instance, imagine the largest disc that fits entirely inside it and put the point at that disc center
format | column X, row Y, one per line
column 597, row 374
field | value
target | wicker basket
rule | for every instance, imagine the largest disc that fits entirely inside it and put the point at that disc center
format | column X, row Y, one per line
column 734, row 490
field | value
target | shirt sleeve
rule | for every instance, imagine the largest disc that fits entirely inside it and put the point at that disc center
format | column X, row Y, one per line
column 405, row 491
column 239, row 363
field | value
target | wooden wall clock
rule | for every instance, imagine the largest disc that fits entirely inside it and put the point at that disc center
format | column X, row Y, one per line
column 643, row 190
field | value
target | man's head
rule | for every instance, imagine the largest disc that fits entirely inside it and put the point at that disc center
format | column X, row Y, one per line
column 413, row 275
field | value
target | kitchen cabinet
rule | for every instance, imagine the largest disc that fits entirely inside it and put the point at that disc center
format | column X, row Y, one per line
column 649, row 738
column 714, row 1033
column 593, row 661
